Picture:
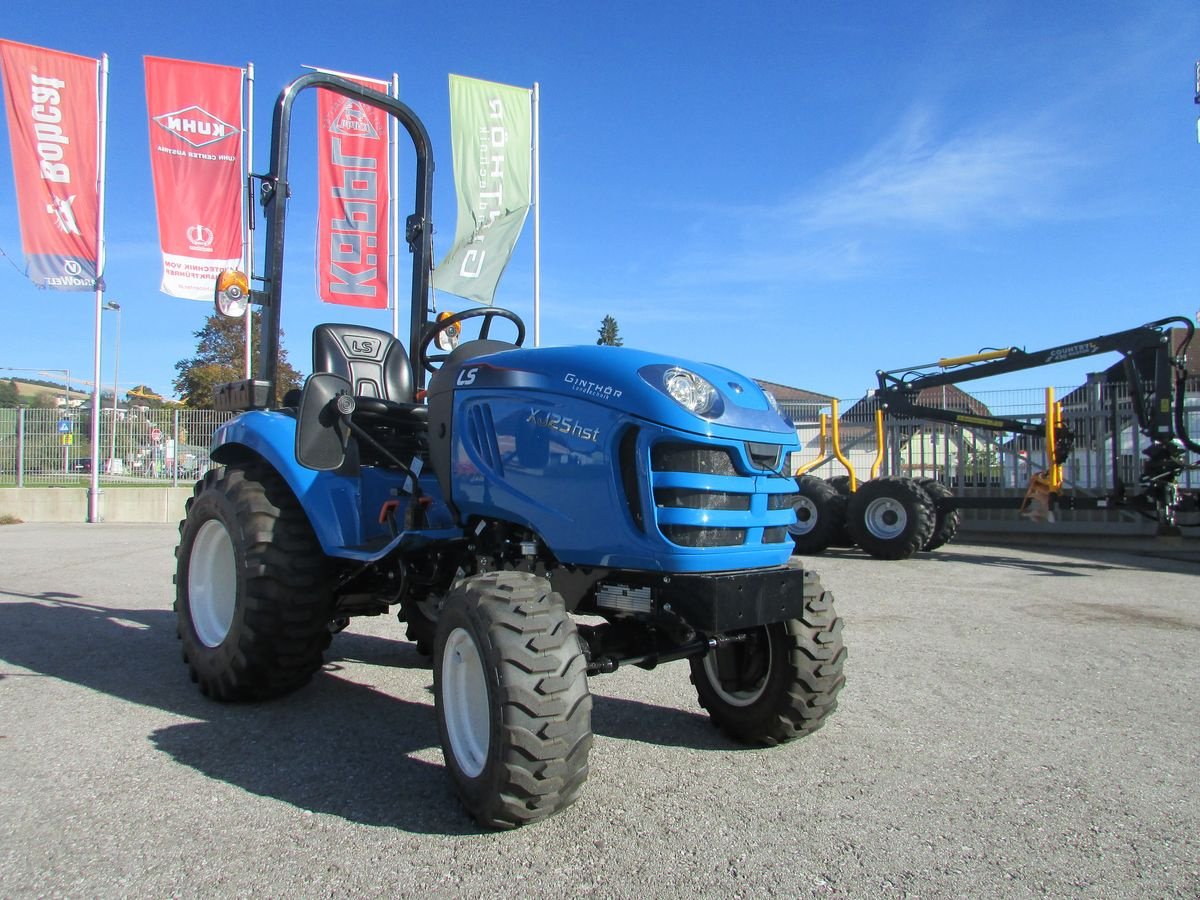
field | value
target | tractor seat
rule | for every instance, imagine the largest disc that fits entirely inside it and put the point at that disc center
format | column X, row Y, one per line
column 377, row 366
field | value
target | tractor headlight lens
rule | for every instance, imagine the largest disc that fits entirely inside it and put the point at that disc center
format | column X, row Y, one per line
column 689, row 390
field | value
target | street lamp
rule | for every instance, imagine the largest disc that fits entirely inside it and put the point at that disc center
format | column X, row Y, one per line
column 112, row 447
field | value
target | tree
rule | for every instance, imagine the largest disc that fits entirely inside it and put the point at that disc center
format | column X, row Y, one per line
column 609, row 335
column 9, row 396
column 220, row 357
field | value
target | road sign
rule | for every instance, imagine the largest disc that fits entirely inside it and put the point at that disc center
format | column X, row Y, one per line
column 156, row 434
column 67, row 440
column 64, row 426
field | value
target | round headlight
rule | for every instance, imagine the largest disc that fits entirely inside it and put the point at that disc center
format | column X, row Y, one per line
column 689, row 390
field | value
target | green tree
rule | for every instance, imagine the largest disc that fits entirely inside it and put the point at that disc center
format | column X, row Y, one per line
column 609, row 334
column 220, row 357
column 9, row 396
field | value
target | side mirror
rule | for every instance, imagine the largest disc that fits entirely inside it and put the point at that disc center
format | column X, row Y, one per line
column 232, row 294
column 322, row 429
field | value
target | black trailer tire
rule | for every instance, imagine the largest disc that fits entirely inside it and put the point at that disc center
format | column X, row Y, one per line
column 841, row 537
column 253, row 589
column 946, row 520
column 513, row 708
column 891, row 518
column 820, row 515
column 782, row 681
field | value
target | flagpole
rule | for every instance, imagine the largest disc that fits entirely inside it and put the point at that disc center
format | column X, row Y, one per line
column 537, row 220
column 94, row 486
column 394, row 236
column 247, row 237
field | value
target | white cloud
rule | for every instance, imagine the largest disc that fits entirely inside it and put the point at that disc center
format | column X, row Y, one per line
column 914, row 178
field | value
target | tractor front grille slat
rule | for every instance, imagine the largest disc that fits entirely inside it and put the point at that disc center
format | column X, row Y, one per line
column 713, row 495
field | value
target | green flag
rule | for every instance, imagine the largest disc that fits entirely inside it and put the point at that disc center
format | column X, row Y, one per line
column 490, row 129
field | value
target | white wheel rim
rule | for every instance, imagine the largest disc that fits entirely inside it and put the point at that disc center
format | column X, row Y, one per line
column 465, row 707
column 806, row 516
column 737, row 698
column 885, row 518
column 212, row 583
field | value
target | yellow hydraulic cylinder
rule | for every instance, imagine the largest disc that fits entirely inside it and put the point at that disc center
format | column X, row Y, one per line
column 879, row 445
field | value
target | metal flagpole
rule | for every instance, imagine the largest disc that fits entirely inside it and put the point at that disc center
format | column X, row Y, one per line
column 394, row 238
column 247, row 237
column 94, row 486
column 537, row 221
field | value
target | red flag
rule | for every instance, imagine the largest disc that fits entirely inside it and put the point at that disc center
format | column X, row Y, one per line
column 196, row 159
column 54, row 129
column 352, row 210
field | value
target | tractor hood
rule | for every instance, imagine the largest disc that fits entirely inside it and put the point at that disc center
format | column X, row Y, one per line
column 634, row 381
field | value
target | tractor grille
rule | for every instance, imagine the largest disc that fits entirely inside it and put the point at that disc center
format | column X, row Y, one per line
column 713, row 496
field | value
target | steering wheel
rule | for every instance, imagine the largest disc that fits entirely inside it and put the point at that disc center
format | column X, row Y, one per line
column 488, row 314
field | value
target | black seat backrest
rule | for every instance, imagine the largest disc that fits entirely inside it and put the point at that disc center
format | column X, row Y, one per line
column 373, row 361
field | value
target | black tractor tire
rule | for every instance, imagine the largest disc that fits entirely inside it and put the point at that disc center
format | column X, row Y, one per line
column 422, row 628
column 513, row 708
column 820, row 515
column 782, row 681
column 946, row 521
column 841, row 537
column 253, row 589
column 891, row 517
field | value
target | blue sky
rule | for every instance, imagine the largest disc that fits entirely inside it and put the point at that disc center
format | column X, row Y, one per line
column 803, row 192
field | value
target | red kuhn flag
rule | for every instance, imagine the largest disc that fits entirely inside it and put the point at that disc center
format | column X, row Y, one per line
column 195, row 114
column 352, row 210
column 54, row 129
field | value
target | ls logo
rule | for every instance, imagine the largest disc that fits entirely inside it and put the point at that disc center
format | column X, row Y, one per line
column 363, row 346
column 467, row 377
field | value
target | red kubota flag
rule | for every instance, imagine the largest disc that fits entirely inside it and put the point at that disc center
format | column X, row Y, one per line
column 54, row 125
column 196, row 160
column 352, row 210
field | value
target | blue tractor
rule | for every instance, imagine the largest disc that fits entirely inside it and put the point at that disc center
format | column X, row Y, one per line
column 517, row 491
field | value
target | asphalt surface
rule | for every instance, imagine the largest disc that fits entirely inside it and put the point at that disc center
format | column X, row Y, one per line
column 1016, row 722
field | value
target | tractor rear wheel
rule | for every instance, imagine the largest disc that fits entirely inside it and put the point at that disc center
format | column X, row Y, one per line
column 253, row 595
column 780, row 681
column 946, row 520
column 891, row 518
column 820, row 515
column 513, row 707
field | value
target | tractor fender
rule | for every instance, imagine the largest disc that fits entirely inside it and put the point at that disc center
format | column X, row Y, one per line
column 330, row 502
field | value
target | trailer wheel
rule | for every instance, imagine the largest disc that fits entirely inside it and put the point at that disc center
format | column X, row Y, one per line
column 946, row 520
column 781, row 681
column 253, row 595
column 842, row 537
column 820, row 515
column 891, row 518
column 513, row 708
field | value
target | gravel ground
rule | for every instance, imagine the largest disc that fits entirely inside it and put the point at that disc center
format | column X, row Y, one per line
column 1016, row 722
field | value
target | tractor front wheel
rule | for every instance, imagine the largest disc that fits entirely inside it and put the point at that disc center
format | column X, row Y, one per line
column 776, row 682
column 513, row 708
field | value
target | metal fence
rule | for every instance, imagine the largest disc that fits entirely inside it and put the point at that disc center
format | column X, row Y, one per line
column 52, row 447
column 977, row 461
column 170, row 446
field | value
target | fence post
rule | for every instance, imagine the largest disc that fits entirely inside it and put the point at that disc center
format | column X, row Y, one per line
column 21, row 447
column 175, row 436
